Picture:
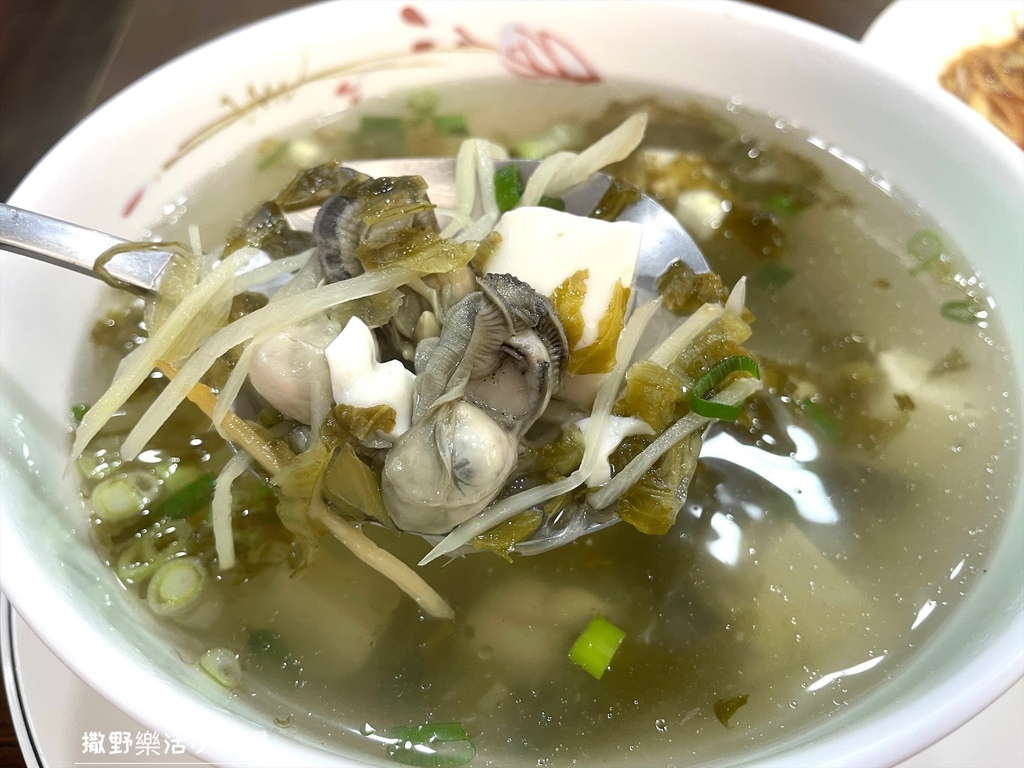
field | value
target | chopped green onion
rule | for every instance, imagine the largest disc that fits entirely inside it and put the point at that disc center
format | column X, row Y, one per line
column 123, row 496
column 508, row 187
column 424, row 102
column 821, row 418
column 726, row 708
column 561, row 136
column 176, row 586
column 384, row 136
column 222, row 665
column 269, row 158
column 555, row 203
column 78, row 412
column 773, row 276
column 188, row 499
column 966, row 312
column 451, row 125
column 783, row 205
column 267, row 646
column 433, row 745
column 712, row 378
column 594, row 649
column 925, row 246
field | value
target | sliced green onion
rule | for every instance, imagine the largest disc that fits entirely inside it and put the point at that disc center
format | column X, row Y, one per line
column 223, row 666
column 821, row 418
column 508, row 187
column 561, row 136
column 188, row 499
column 783, row 205
column 594, row 649
column 555, row 203
column 925, row 246
column 451, row 125
column 123, row 496
column 712, row 378
column 384, row 135
column 176, row 586
column 424, row 102
column 773, row 276
column 78, row 412
column 966, row 312
column 271, row 157
column 433, row 745
column 726, row 708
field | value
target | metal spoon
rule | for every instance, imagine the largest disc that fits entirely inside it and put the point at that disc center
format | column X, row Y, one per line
column 77, row 248
column 663, row 241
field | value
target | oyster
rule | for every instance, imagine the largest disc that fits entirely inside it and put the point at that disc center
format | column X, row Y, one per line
column 481, row 384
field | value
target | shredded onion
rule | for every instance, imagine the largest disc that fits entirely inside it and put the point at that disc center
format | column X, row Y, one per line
column 382, row 561
column 138, row 364
column 734, row 394
column 287, row 312
column 220, row 510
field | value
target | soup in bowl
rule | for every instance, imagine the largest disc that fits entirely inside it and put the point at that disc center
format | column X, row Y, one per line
column 839, row 581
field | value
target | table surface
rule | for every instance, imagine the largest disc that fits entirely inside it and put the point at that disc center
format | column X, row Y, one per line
column 60, row 59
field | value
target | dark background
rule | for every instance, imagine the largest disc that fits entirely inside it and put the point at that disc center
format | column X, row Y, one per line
column 60, row 59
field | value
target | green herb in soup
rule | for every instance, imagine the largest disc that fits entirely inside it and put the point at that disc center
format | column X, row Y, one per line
column 773, row 568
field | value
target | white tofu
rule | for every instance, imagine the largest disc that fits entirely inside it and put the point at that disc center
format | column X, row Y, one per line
column 544, row 247
column 359, row 380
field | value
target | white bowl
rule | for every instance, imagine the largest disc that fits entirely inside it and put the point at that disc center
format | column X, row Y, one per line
column 118, row 168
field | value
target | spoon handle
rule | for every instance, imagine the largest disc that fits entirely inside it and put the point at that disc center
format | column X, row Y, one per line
column 74, row 247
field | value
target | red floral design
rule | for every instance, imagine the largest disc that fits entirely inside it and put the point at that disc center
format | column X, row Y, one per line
column 412, row 16
column 529, row 53
column 132, row 203
column 348, row 89
column 523, row 52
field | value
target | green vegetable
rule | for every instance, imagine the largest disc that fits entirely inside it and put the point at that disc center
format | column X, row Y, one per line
column 78, row 412
column 599, row 356
column 561, row 136
column 594, row 649
column 451, row 125
column 433, row 745
column 222, row 665
column 650, row 393
column 383, row 137
column 925, row 246
column 502, row 539
column 772, row 276
column 821, row 418
column 424, row 102
column 652, row 503
column 966, row 312
column 555, row 203
column 270, row 158
column 176, row 586
column 121, row 497
column 363, row 422
column 713, row 378
column 617, row 198
column 726, row 708
column 354, row 488
column 508, row 187
column 188, row 499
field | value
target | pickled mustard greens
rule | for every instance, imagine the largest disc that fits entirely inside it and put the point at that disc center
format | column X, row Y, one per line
column 763, row 558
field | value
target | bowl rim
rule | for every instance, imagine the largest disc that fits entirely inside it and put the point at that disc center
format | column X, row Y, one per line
column 974, row 686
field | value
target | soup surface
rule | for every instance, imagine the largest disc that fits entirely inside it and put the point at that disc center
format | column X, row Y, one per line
column 826, row 534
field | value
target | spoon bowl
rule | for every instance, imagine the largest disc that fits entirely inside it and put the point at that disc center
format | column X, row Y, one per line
column 77, row 248
column 80, row 249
